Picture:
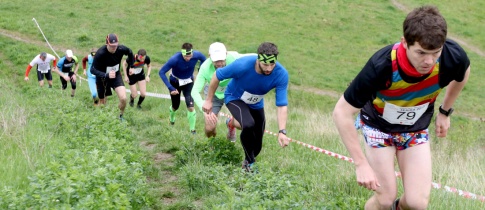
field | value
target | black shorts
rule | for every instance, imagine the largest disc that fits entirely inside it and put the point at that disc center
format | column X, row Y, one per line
column 134, row 78
column 40, row 76
column 104, row 85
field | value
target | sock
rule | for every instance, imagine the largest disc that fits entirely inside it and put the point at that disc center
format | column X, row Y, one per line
column 172, row 114
column 140, row 100
column 50, row 86
column 192, row 118
column 132, row 99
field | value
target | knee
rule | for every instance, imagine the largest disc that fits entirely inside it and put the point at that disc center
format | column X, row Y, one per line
column 386, row 200
column 123, row 99
column 248, row 125
column 415, row 203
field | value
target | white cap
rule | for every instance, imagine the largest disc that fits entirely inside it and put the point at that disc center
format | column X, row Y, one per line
column 217, row 51
column 69, row 53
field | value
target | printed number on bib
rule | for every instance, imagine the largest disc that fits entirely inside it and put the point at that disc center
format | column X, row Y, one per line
column 249, row 98
column 137, row 70
column 183, row 82
column 113, row 68
column 403, row 115
column 221, row 89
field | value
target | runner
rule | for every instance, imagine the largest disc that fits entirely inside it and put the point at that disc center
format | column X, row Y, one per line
column 138, row 76
column 106, row 66
column 65, row 65
column 218, row 58
column 43, row 68
column 181, row 80
column 396, row 93
column 253, row 77
column 91, row 77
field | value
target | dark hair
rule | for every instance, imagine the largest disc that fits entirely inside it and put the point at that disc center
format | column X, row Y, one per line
column 427, row 26
column 142, row 52
column 187, row 46
column 268, row 48
column 43, row 54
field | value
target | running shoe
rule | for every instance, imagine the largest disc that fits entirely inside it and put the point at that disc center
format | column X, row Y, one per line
column 138, row 106
column 132, row 103
column 193, row 132
column 247, row 166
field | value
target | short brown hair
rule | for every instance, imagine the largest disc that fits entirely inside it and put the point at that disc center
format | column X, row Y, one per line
column 142, row 52
column 268, row 48
column 427, row 26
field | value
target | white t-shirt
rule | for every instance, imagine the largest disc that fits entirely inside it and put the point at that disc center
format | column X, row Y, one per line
column 42, row 66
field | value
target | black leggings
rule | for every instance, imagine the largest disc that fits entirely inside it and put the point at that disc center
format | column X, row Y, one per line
column 186, row 89
column 253, row 123
column 64, row 82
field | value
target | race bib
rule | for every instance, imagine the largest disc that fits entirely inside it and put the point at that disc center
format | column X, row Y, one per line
column 44, row 71
column 403, row 115
column 221, row 89
column 249, row 98
column 113, row 68
column 183, row 82
column 65, row 73
column 137, row 70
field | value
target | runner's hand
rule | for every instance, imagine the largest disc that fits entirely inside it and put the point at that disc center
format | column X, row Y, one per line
column 127, row 79
column 26, row 78
column 175, row 92
column 207, row 107
column 283, row 140
column 112, row 74
column 73, row 78
column 442, row 124
column 366, row 177
column 210, row 119
column 84, row 72
column 130, row 72
column 147, row 79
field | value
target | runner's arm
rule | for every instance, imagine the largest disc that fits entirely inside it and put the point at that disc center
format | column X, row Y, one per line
column 198, row 86
column 343, row 117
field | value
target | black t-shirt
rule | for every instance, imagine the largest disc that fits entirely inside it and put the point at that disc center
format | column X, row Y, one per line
column 103, row 60
column 377, row 75
column 137, row 63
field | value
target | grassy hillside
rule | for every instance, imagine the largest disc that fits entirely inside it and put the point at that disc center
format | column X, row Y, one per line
column 53, row 144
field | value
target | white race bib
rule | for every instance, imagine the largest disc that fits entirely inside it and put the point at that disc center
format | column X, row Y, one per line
column 137, row 70
column 403, row 115
column 44, row 71
column 221, row 89
column 113, row 68
column 183, row 82
column 65, row 73
column 249, row 98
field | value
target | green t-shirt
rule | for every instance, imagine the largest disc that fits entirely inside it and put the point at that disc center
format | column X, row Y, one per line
column 204, row 76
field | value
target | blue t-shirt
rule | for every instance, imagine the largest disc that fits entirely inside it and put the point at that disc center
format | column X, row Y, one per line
column 246, row 79
column 181, row 69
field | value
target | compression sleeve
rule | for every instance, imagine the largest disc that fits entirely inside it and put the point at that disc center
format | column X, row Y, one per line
column 85, row 59
column 27, row 71
column 198, row 86
column 54, row 62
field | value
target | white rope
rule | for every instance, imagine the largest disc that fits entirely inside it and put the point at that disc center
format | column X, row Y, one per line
column 45, row 37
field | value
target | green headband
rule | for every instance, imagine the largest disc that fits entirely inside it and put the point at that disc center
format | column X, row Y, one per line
column 266, row 58
column 186, row 52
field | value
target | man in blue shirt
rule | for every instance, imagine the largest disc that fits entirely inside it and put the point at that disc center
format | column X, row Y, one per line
column 252, row 77
column 182, row 80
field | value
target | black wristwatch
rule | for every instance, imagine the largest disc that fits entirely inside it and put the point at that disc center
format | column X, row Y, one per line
column 444, row 112
column 283, row 131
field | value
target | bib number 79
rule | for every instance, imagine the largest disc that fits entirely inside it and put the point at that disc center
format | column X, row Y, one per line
column 406, row 115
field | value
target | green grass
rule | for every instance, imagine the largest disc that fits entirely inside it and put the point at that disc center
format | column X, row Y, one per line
column 323, row 44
